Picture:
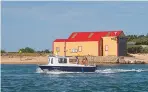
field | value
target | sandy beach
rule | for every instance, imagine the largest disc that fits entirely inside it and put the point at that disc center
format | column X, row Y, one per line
column 43, row 59
column 140, row 57
column 24, row 60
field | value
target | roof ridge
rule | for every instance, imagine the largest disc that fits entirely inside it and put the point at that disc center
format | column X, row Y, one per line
column 97, row 31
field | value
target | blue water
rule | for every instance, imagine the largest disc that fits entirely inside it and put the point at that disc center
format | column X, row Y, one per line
column 108, row 78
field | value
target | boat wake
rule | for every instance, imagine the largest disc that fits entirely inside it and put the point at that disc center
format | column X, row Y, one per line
column 39, row 70
column 121, row 70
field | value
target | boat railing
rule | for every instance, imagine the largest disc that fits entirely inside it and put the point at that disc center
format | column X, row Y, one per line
column 89, row 61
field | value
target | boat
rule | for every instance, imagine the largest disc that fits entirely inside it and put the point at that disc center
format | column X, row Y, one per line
column 60, row 63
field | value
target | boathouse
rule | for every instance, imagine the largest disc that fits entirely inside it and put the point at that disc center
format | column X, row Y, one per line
column 100, row 43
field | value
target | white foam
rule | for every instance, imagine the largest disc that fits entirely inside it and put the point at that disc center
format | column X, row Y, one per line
column 57, row 72
column 39, row 70
column 120, row 70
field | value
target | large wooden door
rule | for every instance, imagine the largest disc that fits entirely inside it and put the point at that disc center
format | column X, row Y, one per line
column 100, row 47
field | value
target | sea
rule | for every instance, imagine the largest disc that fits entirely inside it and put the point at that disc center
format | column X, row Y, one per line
column 107, row 78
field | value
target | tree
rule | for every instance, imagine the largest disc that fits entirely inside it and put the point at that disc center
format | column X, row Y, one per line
column 141, row 36
column 3, row 51
column 46, row 51
column 134, row 49
column 27, row 50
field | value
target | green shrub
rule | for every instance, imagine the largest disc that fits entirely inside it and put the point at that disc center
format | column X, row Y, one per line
column 139, row 39
column 46, row 51
column 145, row 50
column 134, row 49
column 137, row 49
column 27, row 50
column 3, row 51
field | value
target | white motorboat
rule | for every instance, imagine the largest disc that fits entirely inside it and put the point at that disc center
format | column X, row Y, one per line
column 62, row 64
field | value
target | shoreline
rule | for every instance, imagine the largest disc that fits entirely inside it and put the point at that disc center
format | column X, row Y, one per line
column 44, row 60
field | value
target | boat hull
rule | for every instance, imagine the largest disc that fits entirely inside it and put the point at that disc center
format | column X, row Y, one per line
column 69, row 68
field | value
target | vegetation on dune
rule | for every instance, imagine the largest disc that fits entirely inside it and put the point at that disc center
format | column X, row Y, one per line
column 141, row 43
column 44, row 51
column 139, row 40
column 30, row 50
column 137, row 49
column 27, row 50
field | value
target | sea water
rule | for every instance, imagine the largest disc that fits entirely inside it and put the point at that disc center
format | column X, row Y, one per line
column 107, row 78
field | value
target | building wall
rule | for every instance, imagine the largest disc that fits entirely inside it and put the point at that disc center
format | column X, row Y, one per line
column 122, row 35
column 83, row 48
column 109, row 46
column 122, row 47
column 61, row 46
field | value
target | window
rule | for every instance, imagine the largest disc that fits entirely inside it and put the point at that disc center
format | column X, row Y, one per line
column 51, row 60
column 90, row 35
column 79, row 48
column 65, row 60
column 106, row 47
column 74, row 50
column 58, row 49
column 74, row 35
column 62, row 60
column 114, row 38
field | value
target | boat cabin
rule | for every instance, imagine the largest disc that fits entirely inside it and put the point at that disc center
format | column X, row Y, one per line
column 56, row 60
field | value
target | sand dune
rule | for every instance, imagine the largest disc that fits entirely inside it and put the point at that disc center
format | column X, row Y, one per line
column 141, row 57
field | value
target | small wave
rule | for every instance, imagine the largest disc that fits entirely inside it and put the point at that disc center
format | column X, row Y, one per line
column 39, row 70
column 120, row 70
column 58, row 72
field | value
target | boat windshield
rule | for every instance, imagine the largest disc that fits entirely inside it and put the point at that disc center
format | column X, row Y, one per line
column 62, row 60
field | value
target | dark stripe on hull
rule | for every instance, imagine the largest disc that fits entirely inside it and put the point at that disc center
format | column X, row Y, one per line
column 69, row 69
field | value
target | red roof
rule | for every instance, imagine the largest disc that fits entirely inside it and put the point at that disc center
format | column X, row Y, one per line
column 90, row 36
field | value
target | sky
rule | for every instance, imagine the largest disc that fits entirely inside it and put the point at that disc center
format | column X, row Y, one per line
column 37, row 24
